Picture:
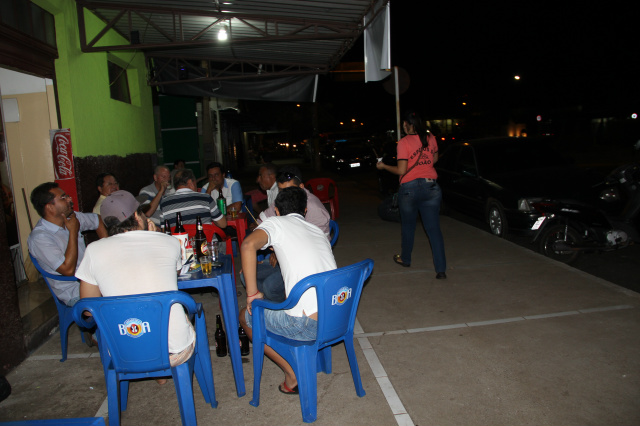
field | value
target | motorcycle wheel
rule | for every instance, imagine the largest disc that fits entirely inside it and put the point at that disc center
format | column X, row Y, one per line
column 559, row 233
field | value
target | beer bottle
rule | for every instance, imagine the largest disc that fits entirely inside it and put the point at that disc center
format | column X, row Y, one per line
column 244, row 341
column 221, row 338
column 167, row 227
column 200, row 240
column 179, row 228
column 222, row 203
column 182, row 236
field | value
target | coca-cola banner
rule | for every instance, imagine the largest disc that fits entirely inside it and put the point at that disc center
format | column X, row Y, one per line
column 65, row 174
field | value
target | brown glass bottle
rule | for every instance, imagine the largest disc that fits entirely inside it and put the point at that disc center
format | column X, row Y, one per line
column 179, row 228
column 200, row 240
column 221, row 338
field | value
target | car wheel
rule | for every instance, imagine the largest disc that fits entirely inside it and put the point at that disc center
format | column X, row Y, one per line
column 496, row 219
column 557, row 238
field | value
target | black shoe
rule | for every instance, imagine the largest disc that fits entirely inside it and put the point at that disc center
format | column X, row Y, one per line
column 441, row 276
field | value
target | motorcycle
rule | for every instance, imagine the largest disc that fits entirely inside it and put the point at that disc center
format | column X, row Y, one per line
column 569, row 228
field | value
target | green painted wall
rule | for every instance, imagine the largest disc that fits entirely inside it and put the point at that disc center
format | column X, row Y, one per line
column 99, row 125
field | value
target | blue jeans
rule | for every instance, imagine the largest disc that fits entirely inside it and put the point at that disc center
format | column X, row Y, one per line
column 270, row 282
column 420, row 196
column 296, row 328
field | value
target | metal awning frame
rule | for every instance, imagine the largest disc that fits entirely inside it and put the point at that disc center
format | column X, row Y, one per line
column 188, row 54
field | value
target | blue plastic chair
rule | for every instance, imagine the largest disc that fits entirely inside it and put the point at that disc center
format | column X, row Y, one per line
column 133, row 337
column 334, row 230
column 65, row 313
column 338, row 293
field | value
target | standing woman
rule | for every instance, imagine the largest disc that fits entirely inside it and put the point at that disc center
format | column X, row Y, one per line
column 419, row 191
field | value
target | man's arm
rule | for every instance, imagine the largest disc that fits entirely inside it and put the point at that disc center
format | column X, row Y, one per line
column 153, row 205
column 236, row 196
column 89, row 290
column 250, row 246
column 101, row 230
column 68, row 267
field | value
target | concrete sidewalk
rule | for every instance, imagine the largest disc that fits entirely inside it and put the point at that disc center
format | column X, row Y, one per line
column 510, row 338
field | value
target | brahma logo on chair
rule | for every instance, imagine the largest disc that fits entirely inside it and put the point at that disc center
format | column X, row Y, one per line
column 341, row 296
column 134, row 327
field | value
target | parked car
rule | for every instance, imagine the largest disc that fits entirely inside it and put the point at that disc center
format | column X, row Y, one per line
column 498, row 179
column 349, row 154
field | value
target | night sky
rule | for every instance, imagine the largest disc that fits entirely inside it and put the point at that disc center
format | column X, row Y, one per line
column 567, row 56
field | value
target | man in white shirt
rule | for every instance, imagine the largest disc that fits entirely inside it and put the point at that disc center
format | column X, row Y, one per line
column 267, row 181
column 135, row 261
column 217, row 183
column 302, row 249
column 269, row 276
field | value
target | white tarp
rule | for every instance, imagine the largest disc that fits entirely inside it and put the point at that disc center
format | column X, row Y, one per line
column 377, row 44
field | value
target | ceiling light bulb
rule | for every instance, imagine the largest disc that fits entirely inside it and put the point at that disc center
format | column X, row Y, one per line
column 222, row 34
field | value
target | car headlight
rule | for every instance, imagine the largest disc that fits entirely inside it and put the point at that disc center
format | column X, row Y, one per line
column 339, row 160
column 525, row 204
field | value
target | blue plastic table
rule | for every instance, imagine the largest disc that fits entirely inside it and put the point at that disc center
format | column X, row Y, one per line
column 224, row 281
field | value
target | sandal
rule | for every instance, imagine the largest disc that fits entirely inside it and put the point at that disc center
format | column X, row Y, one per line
column 398, row 260
column 288, row 391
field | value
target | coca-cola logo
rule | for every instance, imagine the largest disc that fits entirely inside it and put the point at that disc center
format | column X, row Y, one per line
column 62, row 156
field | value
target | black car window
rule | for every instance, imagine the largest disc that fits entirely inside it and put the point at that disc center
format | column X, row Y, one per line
column 467, row 162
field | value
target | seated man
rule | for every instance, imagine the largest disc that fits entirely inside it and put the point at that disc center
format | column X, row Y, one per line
column 106, row 183
column 56, row 241
column 190, row 203
column 269, row 275
column 231, row 189
column 153, row 193
column 267, row 181
column 302, row 249
column 135, row 261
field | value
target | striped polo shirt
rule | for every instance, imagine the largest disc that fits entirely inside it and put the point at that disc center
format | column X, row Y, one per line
column 190, row 204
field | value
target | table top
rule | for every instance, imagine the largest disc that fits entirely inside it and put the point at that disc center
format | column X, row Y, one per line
column 195, row 276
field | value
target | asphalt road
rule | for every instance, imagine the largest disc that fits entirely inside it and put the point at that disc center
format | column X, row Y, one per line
column 620, row 267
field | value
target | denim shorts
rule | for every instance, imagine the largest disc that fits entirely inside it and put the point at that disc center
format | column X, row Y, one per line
column 294, row 328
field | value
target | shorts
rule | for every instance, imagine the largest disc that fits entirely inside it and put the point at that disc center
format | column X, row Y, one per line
column 295, row 328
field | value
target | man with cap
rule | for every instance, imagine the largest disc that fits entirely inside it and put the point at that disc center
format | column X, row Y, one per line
column 136, row 260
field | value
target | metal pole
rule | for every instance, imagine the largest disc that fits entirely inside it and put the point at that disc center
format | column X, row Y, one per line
column 397, row 90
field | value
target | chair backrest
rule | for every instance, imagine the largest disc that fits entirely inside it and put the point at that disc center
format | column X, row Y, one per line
column 49, row 276
column 208, row 228
column 135, row 328
column 323, row 188
column 338, row 293
column 334, row 230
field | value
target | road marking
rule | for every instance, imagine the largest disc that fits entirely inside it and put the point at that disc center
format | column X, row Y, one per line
column 389, row 392
column 393, row 400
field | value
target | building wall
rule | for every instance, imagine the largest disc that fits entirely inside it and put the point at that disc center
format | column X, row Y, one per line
column 106, row 134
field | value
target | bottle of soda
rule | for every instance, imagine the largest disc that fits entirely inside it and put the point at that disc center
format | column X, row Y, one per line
column 200, row 240
column 222, row 203
column 167, row 227
column 244, row 341
column 221, row 338
column 182, row 236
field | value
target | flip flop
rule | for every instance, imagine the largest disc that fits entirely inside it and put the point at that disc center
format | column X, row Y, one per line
column 288, row 391
column 398, row 260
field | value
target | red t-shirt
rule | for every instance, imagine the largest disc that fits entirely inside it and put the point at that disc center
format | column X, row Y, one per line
column 410, row 149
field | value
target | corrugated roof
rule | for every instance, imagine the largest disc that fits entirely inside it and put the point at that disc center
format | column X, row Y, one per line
column 266, row 37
